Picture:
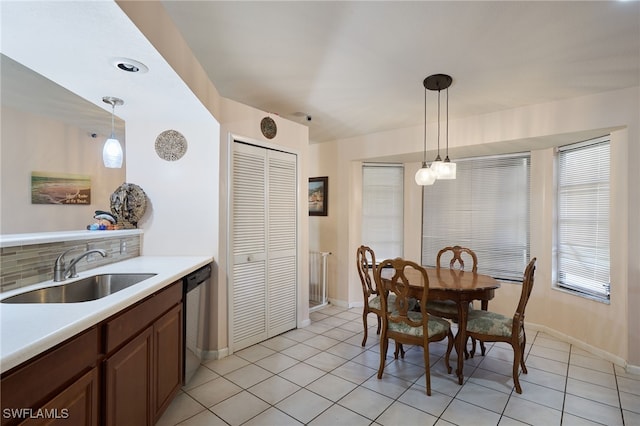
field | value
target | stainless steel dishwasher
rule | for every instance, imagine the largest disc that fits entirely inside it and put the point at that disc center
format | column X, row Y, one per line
column 192, row 291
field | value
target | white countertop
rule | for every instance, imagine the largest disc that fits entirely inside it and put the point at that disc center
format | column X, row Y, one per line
column 12, row 240
column 30, row 329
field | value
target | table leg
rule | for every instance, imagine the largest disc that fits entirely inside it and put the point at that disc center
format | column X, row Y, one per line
column 461, row 337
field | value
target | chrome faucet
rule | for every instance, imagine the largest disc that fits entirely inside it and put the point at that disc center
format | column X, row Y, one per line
column 61, row 271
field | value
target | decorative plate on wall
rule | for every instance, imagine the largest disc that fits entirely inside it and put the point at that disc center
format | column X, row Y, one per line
column 171, row 145
column 268, row 127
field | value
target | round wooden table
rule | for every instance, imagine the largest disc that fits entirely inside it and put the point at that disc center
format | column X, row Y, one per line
column 453, row 284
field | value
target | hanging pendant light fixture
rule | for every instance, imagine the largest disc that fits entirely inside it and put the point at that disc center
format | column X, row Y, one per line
column 112, row 151
column 444, row 169
column 426, row 175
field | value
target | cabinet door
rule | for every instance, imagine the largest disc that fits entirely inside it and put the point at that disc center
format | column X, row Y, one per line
column 128, row 383
column 76, row 405
column 167, row 346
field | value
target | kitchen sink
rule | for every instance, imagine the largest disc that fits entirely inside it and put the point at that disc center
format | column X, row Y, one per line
column 90, row 288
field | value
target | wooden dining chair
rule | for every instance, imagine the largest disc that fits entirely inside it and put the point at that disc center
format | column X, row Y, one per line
column 404, row 325
column 488, row 326
column 447, row 308
column 366, row 263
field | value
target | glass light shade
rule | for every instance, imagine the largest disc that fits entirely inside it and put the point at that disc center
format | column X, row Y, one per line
column 425, row 176
column 447, row 170
column 112, row 153
column 435, row 166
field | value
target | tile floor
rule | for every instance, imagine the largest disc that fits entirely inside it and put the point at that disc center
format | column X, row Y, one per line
column 320, row 375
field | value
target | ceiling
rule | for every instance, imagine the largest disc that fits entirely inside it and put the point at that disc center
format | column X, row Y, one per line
column 354, row 67
column 357, row 67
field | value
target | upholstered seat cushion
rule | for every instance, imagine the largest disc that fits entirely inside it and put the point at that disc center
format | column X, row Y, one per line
column 487, row 322
column 436, row 325
column 375, row 302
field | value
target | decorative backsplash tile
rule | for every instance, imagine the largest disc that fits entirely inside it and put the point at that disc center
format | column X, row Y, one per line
column 21, row 266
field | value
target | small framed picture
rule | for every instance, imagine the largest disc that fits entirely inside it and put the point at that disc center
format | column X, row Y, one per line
column 318, row 196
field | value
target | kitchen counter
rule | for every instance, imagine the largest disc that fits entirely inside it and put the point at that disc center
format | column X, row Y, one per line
column 12, row 240
column 30, row 329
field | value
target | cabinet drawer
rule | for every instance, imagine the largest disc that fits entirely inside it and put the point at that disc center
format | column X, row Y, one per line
column 31, row 385
column 126, row 325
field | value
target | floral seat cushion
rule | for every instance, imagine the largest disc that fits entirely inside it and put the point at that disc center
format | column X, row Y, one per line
column 375, row 302
column 486, row 322
column 436, row 325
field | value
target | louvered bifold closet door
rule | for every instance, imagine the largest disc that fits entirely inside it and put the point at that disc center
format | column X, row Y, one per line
column 248, row 304
column 263, row 223
column 281, row 257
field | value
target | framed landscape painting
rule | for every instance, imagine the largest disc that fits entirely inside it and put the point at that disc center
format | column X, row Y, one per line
column 318, row 196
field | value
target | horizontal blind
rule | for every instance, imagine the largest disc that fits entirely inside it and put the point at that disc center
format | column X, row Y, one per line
column 583, row 217
column 383, row 209
column 486, row 209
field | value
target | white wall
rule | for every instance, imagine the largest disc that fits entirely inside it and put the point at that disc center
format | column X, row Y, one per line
column 533, row 128
column 182, row 206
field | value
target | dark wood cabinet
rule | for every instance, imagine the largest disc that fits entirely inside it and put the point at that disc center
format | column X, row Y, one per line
column 127, row 398
column 33, row 385
column 125, row 370
column 76, row 405
column 167, row 359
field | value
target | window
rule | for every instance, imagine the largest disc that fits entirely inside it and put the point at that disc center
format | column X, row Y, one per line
column 382, row 209
column 486, row 208
column 583, row 218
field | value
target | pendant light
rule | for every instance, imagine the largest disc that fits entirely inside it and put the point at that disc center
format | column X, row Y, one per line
column 425, row 176
column 444, row 169
column 112, row 151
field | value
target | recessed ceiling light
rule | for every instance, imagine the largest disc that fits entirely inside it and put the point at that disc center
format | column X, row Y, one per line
column 129, row 65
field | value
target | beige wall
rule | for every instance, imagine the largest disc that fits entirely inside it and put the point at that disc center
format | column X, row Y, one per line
column 612, row 329
column 31, row 143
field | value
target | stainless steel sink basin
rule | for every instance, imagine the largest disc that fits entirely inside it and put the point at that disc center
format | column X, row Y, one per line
column 90, row 288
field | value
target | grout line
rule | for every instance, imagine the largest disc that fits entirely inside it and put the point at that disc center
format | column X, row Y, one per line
column 370, row 348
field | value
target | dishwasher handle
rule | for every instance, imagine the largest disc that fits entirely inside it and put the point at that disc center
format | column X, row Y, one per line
column 196, row 278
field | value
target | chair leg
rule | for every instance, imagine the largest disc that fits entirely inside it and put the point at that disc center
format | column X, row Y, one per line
column 427, row 369
column 364, row 322
column 384, row 344
column 517, row 358
column 399, row 350
column 379, row 324
column 482, row 348
column 450, row 339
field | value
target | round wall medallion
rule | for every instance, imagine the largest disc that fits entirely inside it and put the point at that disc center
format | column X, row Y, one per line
column 171, row 145
column 268, row 127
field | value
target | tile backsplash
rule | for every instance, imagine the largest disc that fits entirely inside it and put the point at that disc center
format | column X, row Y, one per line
column 24, row 265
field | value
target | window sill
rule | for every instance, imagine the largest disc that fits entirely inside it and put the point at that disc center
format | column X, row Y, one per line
column 583, row 295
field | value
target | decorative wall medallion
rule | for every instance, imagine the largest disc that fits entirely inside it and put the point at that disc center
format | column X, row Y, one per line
column 128, row 204
column 268, row 127
column 171, row 145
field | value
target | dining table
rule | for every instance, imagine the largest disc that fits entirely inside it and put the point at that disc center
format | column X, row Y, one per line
column 457, row 285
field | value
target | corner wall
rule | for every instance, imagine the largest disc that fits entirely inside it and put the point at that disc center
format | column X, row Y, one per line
column 236, row 120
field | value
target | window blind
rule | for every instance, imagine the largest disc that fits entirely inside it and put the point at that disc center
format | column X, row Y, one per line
column 486, row 208
column 383, row 209
column 583, row 217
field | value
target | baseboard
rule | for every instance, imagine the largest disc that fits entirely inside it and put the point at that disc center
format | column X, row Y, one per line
column 620, row 362
column 221, row 353
column 339, row 303
column 305, row 323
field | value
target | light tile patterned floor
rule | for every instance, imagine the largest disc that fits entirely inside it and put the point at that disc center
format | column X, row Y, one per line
column 320, row 375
